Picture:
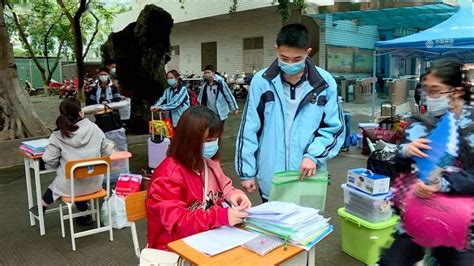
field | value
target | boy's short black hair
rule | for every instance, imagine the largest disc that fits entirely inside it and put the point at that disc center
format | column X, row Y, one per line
column 104, row 69
column 210, row 67
column 294, row 35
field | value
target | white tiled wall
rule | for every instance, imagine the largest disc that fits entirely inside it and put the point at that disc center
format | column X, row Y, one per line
column 228, row 31
column 193, row 9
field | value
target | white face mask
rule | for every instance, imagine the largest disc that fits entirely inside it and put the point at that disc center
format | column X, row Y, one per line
column 103, row 78
column 438, row 106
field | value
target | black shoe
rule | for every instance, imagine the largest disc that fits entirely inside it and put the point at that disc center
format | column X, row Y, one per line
column 34, row 210
column 84, row 220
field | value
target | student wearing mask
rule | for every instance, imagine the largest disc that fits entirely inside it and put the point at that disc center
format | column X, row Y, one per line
column 104, row 91
column 112, row 66
column 292, row 120
column 175, row 99
column 442, row 91
column 189, row 190
column 216, row 95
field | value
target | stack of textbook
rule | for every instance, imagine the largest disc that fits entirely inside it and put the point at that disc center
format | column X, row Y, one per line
column 34, row 147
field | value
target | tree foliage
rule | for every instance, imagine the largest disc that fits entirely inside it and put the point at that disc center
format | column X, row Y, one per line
column 39, row 16
column 47, row 28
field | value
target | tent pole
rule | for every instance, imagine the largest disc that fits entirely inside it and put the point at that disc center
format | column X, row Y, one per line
column 374, row 90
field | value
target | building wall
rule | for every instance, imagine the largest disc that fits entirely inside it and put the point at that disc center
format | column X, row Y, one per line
column 193, row 9
column 228, row 31
column 344, row 33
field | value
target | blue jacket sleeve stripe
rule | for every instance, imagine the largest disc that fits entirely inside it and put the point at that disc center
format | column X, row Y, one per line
column 241, row 142
column 336, row 136
column 177, row 101
column 162, row 98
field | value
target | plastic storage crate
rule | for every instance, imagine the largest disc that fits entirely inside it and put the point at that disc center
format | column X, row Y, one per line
column 374, row 209
column 363, row 240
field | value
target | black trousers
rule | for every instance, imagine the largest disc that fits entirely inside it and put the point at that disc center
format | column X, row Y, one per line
column 48, row 199
column 405, row 252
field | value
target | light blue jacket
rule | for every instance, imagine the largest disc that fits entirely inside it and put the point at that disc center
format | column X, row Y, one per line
column 317, row 132
column 225, row 100
column 174, row 101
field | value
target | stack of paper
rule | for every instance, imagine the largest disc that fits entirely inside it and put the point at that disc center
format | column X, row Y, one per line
column 218, row 240
column 300, row 226
column 34, row 147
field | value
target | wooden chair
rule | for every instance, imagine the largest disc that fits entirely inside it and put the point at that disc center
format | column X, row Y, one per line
column 136, row 210
column 81, row 169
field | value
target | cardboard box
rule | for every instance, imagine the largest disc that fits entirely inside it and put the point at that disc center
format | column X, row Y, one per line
column 368, row 182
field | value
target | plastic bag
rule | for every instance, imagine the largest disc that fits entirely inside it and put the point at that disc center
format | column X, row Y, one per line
column 127, row 184
column 386, row 163
column 118, row 212
column 125, row 111
column 169, row 127
column 119, row 137
column 311, row 192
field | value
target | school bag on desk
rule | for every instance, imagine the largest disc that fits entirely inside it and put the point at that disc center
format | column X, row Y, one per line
column 311, row 192
column 157, row 143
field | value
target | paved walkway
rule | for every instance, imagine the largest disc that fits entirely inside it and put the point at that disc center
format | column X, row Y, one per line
column 22, row 244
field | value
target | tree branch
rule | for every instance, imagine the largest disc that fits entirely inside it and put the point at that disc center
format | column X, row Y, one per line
column 24, row 39
column 93, row 35
column 65, row 11
column 58, row 56
column 45, row 41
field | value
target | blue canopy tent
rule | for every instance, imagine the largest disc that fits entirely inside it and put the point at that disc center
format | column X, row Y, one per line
column 451, row 38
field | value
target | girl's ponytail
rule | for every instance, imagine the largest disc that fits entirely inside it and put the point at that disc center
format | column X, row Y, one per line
column 70, row 114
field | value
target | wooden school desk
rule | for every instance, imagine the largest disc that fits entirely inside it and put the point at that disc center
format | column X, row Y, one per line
column 241, row 257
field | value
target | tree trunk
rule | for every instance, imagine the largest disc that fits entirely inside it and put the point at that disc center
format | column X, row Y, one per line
column 16, row 111
column 78, row 46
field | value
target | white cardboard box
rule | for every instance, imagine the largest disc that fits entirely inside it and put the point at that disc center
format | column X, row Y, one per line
column 368, row 182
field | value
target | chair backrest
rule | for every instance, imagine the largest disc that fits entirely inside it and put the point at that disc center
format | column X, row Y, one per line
column 90, row 167
column 135, row 206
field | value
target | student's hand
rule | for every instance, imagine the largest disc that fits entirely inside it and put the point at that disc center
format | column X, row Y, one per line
column 236, row 112
column 154, row 109
column 414, row 148
column 426, row 191
column 236, row 216
column 105, row 102
column 240, row 200
column 249, row 185
column 308, row 168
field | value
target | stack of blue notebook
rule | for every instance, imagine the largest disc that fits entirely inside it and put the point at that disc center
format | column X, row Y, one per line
column 34, row 147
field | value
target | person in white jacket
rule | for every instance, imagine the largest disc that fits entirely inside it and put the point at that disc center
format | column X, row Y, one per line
column 75, row 138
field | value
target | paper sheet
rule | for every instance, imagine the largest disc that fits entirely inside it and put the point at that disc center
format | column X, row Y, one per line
column 218, row 240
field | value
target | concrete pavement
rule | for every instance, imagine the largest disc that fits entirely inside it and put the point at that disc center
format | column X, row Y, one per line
column 22, row 244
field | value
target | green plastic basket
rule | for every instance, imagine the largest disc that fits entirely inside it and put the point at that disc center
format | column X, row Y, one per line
column 364, row 240
column 311, row 192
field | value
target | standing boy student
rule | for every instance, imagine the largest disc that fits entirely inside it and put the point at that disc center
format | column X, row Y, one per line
column 216, row 95
column 292, row 120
